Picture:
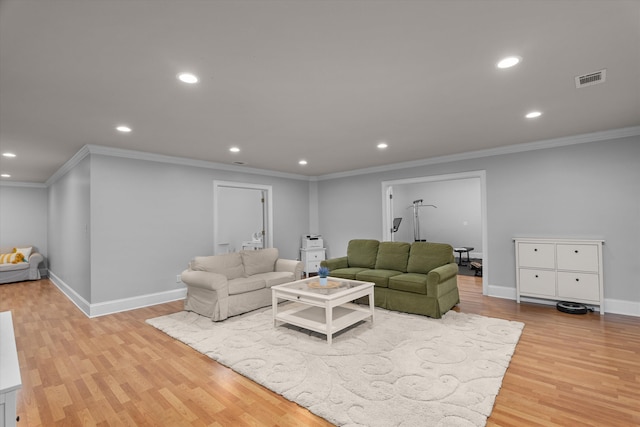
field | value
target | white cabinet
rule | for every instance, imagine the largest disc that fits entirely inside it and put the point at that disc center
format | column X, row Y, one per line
column 560, row 269
column 10, row 380
column 311, row 259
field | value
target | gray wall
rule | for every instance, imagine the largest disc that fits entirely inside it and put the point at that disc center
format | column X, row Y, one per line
column 457, row 220
column 149, row 219
column 119, row 228
column 23, row 218
column 69, row 228
column 586, row 190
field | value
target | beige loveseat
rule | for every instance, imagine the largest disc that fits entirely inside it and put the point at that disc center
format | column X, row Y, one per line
column 221, row 286
column 26, row 269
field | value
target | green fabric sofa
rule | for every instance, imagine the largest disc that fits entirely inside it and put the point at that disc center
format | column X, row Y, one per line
column 419, row 278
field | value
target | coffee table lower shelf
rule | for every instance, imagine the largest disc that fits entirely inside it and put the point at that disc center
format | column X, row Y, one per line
column 315, row 318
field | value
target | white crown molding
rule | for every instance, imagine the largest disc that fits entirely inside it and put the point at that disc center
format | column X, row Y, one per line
column 70, row 164
column 141, row 155
column 22, row 184
column 509, row 149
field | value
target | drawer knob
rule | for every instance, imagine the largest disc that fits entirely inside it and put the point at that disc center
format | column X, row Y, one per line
column 536, row 276
column 576, row 251
column 577, row 280
column 535, row 250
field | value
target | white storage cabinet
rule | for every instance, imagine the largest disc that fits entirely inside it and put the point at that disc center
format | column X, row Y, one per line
column 311, row 259
column 10, row 380
column 560, row 269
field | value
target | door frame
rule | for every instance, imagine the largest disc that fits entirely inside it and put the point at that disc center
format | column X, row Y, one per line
column 387, row 209
column 267, row 213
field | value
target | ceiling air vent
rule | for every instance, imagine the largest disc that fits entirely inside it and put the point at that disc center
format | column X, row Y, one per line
column 591, row 79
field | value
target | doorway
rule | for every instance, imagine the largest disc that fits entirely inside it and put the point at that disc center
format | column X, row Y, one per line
column 242, row 216
column 431, row 228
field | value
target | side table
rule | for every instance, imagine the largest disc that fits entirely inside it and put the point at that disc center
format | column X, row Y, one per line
column 462, row 250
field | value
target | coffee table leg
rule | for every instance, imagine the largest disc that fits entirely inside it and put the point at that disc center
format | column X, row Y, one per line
column 274, row 307
column 328, row 310
column 371, row 304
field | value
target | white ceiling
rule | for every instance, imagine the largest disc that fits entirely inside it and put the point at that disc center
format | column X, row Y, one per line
column 319, row 80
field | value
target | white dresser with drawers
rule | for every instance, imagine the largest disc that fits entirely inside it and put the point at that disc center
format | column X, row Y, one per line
column 312, row 253
column 560, row 269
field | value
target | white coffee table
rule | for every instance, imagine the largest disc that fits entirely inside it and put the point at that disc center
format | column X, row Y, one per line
column 326, row 310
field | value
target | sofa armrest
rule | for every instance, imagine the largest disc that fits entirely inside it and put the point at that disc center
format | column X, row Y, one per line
column 35, row 259
column 335, row 263
column 204, row 280
column 290, row 265
column 440, row 275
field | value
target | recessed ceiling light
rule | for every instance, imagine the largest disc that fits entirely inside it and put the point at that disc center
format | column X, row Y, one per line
column 509, row 62
column 123, row 128
column 382, row 145
column 188, row 78
column 234, row 149
column 533, row 114
column 8, row 154
column 5, row 175
column 302, row 162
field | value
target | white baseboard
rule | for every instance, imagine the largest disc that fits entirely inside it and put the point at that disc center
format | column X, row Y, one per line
column 125, row 304
column 501, row 292
column 626, row 308
column 116, row 306
column 75, row 298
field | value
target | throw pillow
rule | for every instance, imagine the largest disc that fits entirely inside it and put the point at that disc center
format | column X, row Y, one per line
column 13, row 258
column 229, row 265
column 26, row 252
column 260, row 261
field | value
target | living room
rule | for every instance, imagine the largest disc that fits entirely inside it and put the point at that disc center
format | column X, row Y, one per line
column 117, row 224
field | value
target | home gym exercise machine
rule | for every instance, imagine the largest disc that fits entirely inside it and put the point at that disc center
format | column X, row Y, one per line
column 416, row 205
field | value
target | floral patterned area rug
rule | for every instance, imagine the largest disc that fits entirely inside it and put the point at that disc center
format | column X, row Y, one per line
column 401, row 370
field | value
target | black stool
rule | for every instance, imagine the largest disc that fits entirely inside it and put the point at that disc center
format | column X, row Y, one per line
column 462, row 250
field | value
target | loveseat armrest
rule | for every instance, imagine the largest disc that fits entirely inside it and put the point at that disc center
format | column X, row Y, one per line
column 204, row 280
column 35, row 259
column 335, row 263
column 440, row 275
column 290, row 265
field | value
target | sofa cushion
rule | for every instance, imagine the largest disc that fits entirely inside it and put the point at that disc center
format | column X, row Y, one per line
column 275, row 278
column 229, row 265
column 425, row 256
column 346, row 273
column 245, row 284
column 259, row 261
column 14, row 267
column 393, row 256
column 362, row 253
column 409, row 282
column 379, row 277
column 12, row 258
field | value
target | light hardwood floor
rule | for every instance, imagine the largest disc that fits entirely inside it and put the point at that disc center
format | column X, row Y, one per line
column 115, row 370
